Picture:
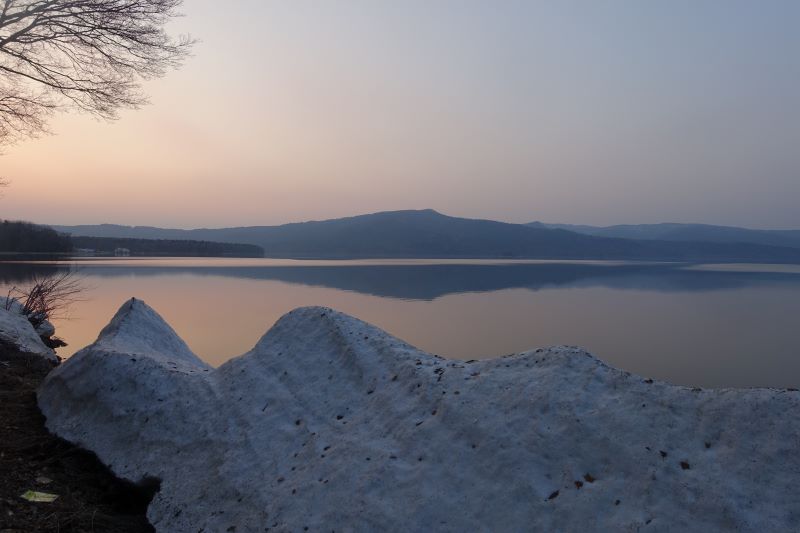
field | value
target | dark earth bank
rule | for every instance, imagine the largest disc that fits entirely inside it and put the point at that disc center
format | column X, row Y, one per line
column 90, row 499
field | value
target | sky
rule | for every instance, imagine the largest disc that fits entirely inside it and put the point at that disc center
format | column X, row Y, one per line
column 590, row 112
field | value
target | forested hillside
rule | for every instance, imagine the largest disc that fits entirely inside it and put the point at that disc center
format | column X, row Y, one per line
column 25, row 237
column 164, row 247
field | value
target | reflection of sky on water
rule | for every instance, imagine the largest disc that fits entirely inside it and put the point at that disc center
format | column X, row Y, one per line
column 426, row 280
column 727, row 327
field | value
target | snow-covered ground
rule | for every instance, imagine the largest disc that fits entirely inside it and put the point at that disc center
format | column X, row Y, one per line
column 18, row 333
column 329, row 424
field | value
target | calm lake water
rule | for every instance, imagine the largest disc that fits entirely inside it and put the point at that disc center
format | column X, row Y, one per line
column 698, row 325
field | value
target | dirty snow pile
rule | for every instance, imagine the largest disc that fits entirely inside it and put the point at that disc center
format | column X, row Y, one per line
column 330, row 424
column 18, row 333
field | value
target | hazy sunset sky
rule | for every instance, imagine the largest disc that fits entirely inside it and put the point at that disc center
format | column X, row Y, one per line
column 595, row 112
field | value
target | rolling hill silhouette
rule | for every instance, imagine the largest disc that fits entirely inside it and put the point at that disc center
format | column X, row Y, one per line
column 429, row 234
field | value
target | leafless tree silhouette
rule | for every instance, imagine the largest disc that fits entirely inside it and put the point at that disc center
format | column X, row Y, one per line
column 86, row 54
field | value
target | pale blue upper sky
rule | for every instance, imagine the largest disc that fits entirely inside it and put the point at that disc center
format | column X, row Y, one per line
column 594, row 112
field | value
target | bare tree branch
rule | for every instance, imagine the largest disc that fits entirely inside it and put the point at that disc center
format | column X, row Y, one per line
column 86, row 54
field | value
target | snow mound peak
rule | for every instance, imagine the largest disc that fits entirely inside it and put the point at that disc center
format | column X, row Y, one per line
column 136, row 328
column 332, row 423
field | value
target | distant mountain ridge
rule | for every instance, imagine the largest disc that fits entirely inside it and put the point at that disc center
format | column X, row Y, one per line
column 670, row 231
column 429, row 234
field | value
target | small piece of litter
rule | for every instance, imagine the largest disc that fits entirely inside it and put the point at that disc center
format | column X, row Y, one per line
column 44, row 497
column 41, row 480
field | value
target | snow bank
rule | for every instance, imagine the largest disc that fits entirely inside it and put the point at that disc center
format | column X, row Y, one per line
column 45, row 329
column 330, row 423
column 19, row 334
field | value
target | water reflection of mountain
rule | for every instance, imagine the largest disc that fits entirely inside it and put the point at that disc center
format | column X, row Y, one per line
column 426, row 282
